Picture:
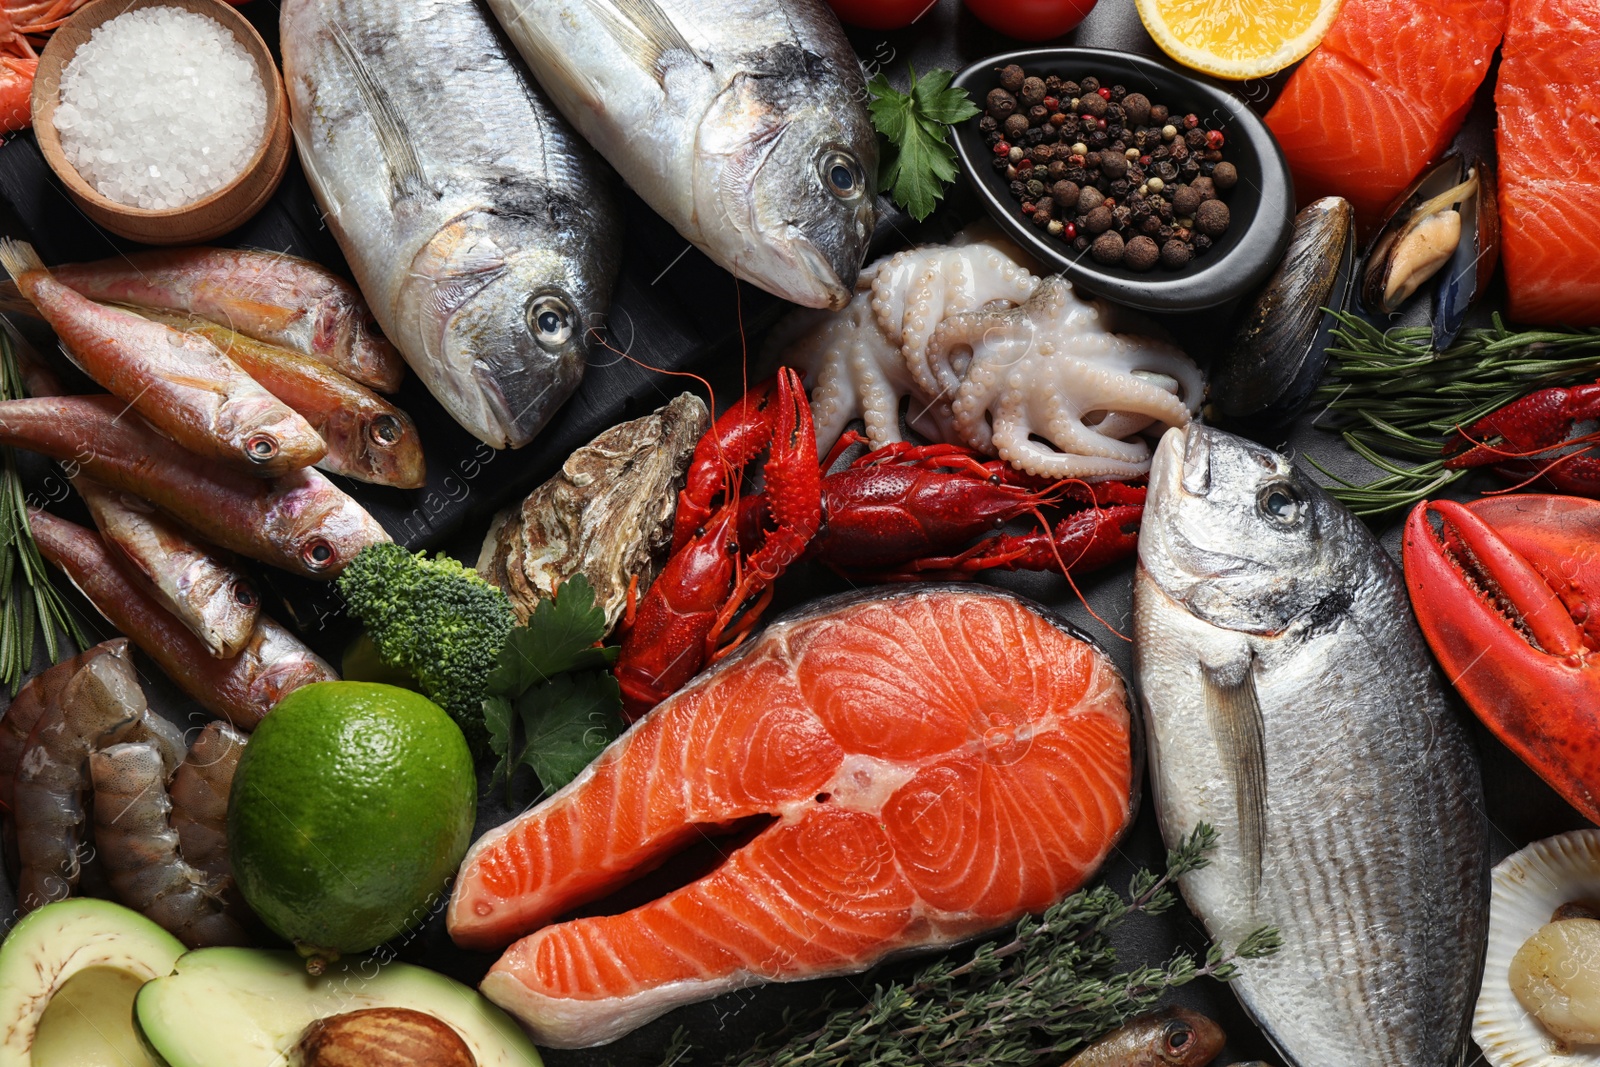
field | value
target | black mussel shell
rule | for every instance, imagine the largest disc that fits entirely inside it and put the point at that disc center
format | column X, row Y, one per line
column 1265, row 375
column 1466, row 277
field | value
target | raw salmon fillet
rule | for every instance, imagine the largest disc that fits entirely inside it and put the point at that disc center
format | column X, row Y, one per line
column 1383, row 94
column 1548, row 100
column 940, row 761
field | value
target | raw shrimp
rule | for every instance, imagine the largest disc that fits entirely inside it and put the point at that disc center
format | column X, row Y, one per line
column 141, row 851
column 101, row 705
column 200, row 800
column 19, row 61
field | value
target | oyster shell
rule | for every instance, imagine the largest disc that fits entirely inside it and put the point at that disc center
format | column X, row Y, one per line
column 607, row 513
column 1271, row 365
column 1528, row 888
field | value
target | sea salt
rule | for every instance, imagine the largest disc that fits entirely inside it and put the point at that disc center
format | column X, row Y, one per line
column 160, row 107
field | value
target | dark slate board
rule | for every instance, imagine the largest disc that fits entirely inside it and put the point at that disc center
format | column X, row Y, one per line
column 674, row 312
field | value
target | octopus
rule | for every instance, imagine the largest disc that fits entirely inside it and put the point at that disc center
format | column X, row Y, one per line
column 1048, row 371
column 976, row 349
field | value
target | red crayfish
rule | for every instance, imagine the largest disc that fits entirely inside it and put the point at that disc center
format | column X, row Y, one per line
column 1529, row 439
column 1505, row 591
column 901, row 512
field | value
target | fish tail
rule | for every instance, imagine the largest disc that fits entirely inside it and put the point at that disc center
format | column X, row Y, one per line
column 19, row 258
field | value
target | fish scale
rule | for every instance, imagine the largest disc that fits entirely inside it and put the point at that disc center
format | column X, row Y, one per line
column 465, row 206
column 1374, row 843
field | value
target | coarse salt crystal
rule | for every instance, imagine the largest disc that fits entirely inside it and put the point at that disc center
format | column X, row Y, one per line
column 137, row 133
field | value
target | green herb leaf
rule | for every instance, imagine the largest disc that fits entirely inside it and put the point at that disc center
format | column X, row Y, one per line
column 567, row 722
column 918, row 159
column 497, row 713
column 559, row 637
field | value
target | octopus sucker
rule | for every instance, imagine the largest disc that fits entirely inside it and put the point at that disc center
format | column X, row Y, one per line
column 993, row 357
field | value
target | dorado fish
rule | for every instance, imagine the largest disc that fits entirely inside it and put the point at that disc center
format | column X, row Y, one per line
column 181, row 383
column 368, row 438
column 271, row 296
column 242, row 689
column 742, row 123
column 480, row 228
column 301, row 522
column 217, row 602
column 1292, row 704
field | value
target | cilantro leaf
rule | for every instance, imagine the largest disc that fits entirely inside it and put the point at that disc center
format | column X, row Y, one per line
column 567, row 722
column 560, row 636
column 918, row 159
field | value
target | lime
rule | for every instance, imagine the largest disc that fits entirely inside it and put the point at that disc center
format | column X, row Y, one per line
column 351, row 809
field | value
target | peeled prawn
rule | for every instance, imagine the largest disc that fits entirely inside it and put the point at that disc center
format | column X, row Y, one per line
column 140, row 850
column 101, row 705
column 200, row 800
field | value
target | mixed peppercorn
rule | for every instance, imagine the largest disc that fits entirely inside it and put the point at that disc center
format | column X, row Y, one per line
column 1108, row 171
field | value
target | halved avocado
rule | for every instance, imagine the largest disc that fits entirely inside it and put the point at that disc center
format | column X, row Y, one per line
column 68, row 975
column 247, row 1008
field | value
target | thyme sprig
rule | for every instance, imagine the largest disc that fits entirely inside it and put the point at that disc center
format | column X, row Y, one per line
column 29, row 604
column 1051, row 988
column 1394, row 397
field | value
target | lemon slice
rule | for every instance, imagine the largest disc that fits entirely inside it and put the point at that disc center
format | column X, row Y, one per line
column 1237, row 39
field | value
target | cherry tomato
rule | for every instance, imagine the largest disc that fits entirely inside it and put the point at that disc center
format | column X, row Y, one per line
column 1031, row 20
column 880, row 14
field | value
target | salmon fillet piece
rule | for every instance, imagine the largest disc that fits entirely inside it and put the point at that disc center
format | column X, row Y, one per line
column 938, row 762
column 1383, row 94
column 1548, row 102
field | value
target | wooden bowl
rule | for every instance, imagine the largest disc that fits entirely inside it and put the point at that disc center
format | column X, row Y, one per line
column 216, row 214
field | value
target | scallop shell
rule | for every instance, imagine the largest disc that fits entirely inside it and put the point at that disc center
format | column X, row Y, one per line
column 1529, row 886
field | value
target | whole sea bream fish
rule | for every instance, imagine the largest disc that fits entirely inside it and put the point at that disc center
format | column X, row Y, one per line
column 1292, row 704
column 741, row 122
column 481, row 230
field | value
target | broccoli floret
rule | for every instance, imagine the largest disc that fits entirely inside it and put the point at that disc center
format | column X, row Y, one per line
column 435, row 619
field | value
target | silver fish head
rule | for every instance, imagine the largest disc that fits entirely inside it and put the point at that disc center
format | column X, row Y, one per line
column 792, row 194
column 1239, row 537
column 503, row 317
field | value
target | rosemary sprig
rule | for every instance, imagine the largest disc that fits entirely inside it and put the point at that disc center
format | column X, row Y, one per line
column 1396, row 397
column 1051, row 988
column 29, row 604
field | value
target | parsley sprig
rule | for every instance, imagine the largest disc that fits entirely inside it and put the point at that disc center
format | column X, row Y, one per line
column 553, row 704
column 918, row 160
column 1047, row 991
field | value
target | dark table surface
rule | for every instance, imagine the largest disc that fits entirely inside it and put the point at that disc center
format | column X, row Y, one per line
column 674, row 311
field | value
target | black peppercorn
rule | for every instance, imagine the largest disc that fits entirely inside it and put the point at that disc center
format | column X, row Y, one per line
column 1011, row 78
column 1121, row 216
column 1091, row 84
column 1035, row 187
column 1201, row 242
column 1163, row 209
column 987, row 124
column 1098, row 139
column 1190, row 168
column 1159, row 152
column 1225, row 176
column 1212, row 218
column 1069, row 90
column 1040, row 216
column 1175, row 255
column 1033, row 137
column 1137, row 107
column 1000, row 163
column 1076, row 174
column 1038, row 114
column 1107, row 248
column 1141, row 254
column 1052, row 85
column 1212, row 155
column 1151, row 225
column 1032, row 91
column 1081, row 243
column 1070, row 127
column 1195, row 138
column 1093, row 161
column 1165, row 170
column 1135, row 175
column 1002, row 105
column 1119, row 188
column 1178, row 152
column 1057, row 170
column 1018, row 189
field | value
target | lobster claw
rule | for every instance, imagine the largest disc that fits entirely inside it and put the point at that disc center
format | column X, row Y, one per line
column 1503, row 591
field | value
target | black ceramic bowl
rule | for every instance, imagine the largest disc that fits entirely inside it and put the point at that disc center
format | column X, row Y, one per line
column 1261, row 204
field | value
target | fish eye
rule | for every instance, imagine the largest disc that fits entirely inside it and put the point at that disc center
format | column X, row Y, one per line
column 1282, row 503
column 550, row 319
column 1178, row 1037
column 842, row 175
column 385, row 430
column 243, row 595
column 262, row 448
column 317, row 554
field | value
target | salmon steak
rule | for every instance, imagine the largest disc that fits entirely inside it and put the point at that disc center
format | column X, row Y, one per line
column 1383, row 94
column 1548, row 104
column 932, row 763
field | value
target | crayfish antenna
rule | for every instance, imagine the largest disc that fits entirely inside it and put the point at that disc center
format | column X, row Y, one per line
column 1066, row 571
